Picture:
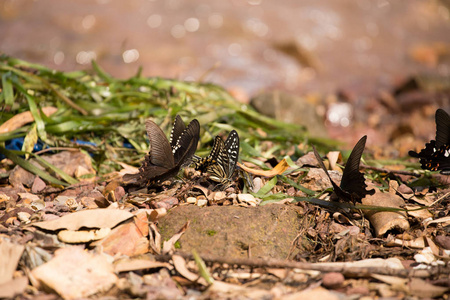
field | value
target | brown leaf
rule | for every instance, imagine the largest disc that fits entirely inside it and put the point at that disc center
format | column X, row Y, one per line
column 127, row 239
column 180, row 265
column 168, row 246
column 12, row 252
column 74, row 273
column 23, row 118
column 13, row 287
column 382, row 221
column 127, row 265
column 82, row 236
column 93, row 218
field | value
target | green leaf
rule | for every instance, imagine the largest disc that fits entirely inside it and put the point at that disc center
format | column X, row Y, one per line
column 202, row 267
column 297, row 186
column 30, row 140
column 266, row 188
column 8, row 92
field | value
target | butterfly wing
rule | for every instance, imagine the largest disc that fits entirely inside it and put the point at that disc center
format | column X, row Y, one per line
column 160, row 150
column 202, row 163
column 435, row 155
column 216, row 168
column 177, row 130
column 339, row 192
column 442, row 128
column 232, row 148
column 187, row 144
column 437, row 161
column 353, row 181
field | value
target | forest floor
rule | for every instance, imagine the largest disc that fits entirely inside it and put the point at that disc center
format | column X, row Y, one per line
column 71, row 228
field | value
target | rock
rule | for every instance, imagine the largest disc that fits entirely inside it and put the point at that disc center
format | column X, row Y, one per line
column 291, row 109
column 191, row 200
column 38, row 185
column 166, row 203
column 225, row 230
column 202, row 202
column 333, row 280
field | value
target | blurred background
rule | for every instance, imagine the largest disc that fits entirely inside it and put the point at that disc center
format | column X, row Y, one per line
column 364, row 66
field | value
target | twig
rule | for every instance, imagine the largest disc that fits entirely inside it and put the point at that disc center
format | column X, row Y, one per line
column 323, row 267
column 384, row 170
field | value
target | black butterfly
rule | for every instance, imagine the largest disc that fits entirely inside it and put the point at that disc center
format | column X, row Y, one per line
column 165, row 158
column 353, row 186
column 221, row 161
column 436, row 154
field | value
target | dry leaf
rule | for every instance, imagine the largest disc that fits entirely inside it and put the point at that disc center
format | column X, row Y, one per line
column 277, row 170
column 75, row 273
column 418, row 243
column 154, row 238
column 382, row 221
column 23, row 118
column 168, row 246
column 12, row 252
column 315, row 293
column 127, row 265
column 333, row 157
column 82, row 236
column 127, row 239
column 445, row 221
column 414, row 286
column 420, row 214
column 13, row 287
column 180, row 265
column 92, row 218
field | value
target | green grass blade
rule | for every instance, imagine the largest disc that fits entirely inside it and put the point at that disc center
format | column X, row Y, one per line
column 55, row 169
column 8, row 92
column 30, row 167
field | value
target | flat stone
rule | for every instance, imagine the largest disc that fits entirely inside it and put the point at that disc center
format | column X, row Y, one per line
column 233, row 231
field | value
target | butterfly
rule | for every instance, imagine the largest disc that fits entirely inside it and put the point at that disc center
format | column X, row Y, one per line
column 436, row 154
column 221, row 161
column 353, row 186
column 165, row 159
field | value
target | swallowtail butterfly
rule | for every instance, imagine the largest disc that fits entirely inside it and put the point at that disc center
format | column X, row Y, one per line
column 353, row 186
column 165, row 159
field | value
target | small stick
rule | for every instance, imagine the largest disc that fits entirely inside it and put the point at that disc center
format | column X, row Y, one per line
column 323, row 267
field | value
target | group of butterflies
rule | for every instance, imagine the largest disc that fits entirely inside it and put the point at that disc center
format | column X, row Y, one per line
column 166, row 158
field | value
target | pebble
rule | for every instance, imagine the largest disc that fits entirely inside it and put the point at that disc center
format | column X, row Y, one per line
column 247, row 198
column 333, row 280
column 191, row 200
column 202, row 202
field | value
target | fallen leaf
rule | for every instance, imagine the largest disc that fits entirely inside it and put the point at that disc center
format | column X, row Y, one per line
column 333, row 157
column 315, row 293
column 82, row 236
column 23, row 118
column 92, row 218
column 154, row 238
column 12, row 252
column 382, row 221
column 168, row 246
column 13, row 287
column 277, row 170
column 180, row 265
column 75, row 273
column 128, row 265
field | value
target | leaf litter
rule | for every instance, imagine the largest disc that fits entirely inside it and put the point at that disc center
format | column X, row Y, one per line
column 272, row 232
